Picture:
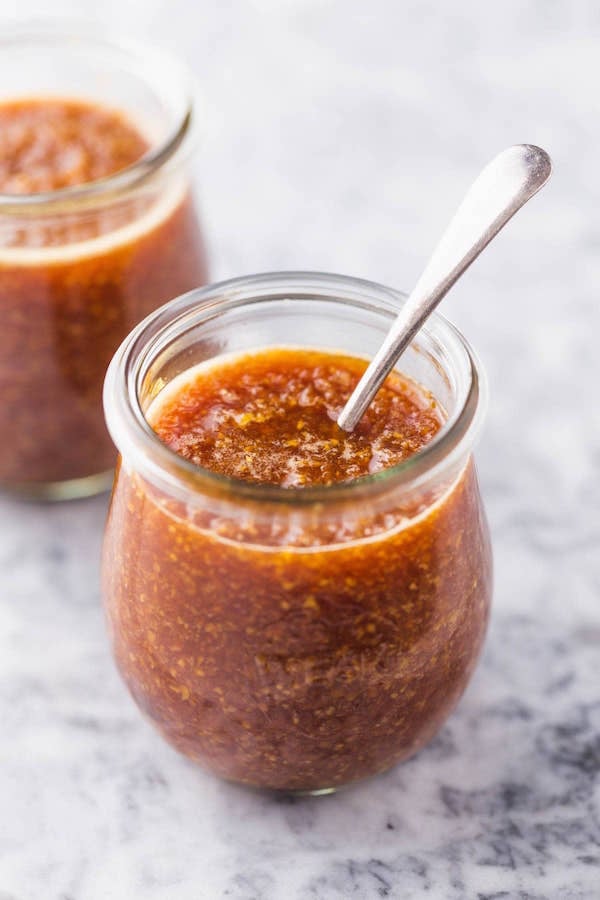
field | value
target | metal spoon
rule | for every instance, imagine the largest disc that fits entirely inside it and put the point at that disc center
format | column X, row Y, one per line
column 502, row 188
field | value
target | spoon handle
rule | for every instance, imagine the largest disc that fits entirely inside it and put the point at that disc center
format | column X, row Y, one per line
column 502, row 188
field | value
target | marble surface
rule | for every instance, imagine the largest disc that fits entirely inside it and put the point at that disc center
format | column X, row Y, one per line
column 339, row 136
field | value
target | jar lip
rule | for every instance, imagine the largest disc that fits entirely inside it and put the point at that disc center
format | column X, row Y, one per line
column 133, row 435
column 147, row 58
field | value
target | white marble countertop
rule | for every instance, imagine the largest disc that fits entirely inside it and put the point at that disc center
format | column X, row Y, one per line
column 341, row 139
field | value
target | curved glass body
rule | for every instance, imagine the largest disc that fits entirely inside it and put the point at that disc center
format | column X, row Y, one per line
column 295, row 639
column 80, row 266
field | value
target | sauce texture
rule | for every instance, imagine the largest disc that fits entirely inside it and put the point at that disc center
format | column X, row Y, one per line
column 290, row 646
column 270, row 417
column 49, row 144
column 74, row 281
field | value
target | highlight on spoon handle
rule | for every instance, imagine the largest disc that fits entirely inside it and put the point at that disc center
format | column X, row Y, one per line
column 502, row 188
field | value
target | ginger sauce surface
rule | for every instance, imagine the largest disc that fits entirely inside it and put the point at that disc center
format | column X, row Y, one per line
column 270, row 418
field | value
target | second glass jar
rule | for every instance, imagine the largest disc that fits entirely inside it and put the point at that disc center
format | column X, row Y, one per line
column 80, row 266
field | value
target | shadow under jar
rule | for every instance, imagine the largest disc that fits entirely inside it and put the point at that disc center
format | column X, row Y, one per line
column 294, row 639
column 82, row 264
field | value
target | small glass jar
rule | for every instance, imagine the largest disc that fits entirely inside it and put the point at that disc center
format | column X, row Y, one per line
column 80, row 266
column 295, row 639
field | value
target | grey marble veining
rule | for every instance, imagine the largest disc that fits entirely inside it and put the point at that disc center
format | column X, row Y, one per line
column 340, row 136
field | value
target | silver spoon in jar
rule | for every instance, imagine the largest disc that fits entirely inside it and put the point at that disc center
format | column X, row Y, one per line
column 502, row 188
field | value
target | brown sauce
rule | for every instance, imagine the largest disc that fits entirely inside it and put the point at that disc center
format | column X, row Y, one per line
column 270, row 417
column 293, row 647
column 48, row 144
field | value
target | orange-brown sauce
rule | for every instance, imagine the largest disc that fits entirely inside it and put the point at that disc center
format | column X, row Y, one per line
column 48, row 144
column 270, row 417
column 286, row 645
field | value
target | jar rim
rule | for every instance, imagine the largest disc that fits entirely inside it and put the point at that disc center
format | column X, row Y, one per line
column 142, row 58
column 133, row 436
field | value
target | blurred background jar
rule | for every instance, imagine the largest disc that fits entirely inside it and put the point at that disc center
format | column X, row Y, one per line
column 82, row 262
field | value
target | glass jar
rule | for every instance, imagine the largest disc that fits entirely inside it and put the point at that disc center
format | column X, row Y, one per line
column 294, row 639
column 80, row 266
